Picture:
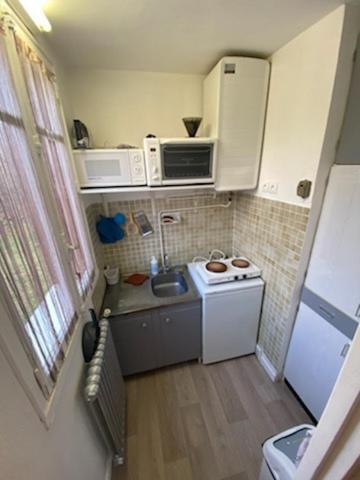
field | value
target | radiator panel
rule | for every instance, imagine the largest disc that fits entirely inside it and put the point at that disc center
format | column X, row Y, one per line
column 105, row 393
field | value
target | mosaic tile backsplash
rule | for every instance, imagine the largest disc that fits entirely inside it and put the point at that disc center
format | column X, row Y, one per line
column 198, row 233
column 271, row 234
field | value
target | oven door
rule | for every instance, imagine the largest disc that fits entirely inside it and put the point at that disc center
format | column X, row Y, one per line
column 187, row 164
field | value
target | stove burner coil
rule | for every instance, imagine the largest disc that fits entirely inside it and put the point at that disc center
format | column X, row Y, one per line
column 216, row 267
column 240, row 263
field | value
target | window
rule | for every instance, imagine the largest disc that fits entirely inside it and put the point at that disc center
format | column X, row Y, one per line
column 34, row 268
column 30, row 263
column 41, row 86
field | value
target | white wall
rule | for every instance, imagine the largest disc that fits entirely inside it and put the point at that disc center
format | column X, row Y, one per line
column 70, row 449
column 301, row 85
column 123, row 106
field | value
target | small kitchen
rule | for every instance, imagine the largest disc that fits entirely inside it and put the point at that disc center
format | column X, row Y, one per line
column 198, row 235
column 223, row 301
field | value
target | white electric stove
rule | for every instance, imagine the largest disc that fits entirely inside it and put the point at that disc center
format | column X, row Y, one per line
column 231, row 306
column 227, row 270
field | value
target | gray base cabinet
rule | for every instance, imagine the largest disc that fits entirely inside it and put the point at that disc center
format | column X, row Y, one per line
column 155, row 338
column 134, row 337
column 180, row 333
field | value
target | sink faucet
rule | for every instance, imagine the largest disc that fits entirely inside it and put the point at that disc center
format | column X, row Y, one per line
column 166, row 266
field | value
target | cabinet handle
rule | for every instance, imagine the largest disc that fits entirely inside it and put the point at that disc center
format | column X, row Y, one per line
column 357, row 313
column 144, row 325
column 326, row 312
column 167, row 320
column 345, row 349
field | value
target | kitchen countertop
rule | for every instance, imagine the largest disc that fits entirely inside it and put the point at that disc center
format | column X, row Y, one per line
column 125, row 298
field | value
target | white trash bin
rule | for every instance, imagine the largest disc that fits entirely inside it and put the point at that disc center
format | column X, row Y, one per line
column 281, row 453
column 112, row 275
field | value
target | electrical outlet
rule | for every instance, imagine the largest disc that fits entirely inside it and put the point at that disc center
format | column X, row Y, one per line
column 270, row 187
column 273, row 188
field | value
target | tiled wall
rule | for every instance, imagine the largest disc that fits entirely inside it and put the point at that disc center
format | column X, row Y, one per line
column 92, row 214
column 199, row 232
column 271, row 234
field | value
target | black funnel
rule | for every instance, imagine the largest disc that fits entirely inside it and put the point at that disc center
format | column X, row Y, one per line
column 192, row 124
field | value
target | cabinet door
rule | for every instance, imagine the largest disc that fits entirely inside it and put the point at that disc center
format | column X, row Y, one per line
column 235, row 94
column 135, row 342
column 180, row 333
column 349, row 146
column 314, row 359
column 334, row 267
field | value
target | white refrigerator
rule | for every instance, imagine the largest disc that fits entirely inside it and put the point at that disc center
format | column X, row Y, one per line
column 329, row 311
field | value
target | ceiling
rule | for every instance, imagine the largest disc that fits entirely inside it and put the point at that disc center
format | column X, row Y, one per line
column 185, row 36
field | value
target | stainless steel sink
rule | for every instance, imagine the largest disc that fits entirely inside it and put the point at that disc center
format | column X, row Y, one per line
column 169, row 284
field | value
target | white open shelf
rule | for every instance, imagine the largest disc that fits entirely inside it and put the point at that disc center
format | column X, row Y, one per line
column 103, row 190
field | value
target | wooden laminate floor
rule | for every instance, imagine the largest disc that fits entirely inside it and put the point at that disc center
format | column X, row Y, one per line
column 199, row 422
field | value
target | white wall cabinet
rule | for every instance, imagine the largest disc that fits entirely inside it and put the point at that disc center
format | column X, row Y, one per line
column 235, row 94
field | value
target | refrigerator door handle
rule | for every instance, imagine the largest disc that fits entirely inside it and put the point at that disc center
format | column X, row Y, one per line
column 326, row 312
column 345, row 350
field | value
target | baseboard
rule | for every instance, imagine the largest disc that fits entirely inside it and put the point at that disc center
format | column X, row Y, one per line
column 109, row 467
column 266, row 364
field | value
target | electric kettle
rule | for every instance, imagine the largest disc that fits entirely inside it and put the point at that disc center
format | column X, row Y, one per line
column 81, row 135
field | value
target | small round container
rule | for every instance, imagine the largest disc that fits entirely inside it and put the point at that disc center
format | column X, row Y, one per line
column 112, row 275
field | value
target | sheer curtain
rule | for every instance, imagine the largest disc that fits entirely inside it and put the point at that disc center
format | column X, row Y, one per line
column 41, row 86
column 31, row 275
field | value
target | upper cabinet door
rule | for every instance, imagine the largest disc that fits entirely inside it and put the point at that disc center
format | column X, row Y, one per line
column 235, row 94
column 349, row 147
column 334, row 269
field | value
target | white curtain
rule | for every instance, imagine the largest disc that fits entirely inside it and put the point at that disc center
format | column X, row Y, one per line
column 30, row 264
column 41, row 87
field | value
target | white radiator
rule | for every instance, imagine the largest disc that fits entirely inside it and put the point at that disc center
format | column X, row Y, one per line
column 105, row 393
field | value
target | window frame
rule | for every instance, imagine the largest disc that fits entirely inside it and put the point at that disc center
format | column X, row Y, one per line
column 10, row 342
column 17, row 358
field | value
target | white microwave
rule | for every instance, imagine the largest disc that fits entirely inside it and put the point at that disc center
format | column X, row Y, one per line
column 110, row 167
column 180, row 161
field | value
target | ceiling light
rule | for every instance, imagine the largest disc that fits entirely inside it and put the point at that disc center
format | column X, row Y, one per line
column 35, row 12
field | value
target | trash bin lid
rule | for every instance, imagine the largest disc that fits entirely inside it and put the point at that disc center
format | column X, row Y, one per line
column 281, row 450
